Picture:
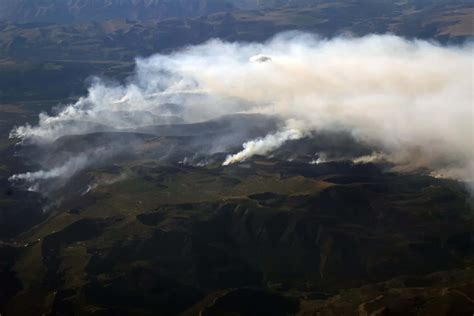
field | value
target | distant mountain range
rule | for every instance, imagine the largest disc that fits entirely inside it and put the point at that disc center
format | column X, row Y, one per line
column 123, row 29
column 78, row 10
column 64, row 11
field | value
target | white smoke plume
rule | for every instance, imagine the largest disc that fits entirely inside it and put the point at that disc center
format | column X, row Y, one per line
column 411, row 100
column 265, row 145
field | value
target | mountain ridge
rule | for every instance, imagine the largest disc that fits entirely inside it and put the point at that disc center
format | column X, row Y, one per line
column 57, row 11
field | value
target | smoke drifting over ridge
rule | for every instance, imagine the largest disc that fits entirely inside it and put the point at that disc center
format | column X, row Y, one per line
column 412, row 101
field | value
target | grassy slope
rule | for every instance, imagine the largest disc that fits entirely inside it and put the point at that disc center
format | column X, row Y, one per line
column 179, row 200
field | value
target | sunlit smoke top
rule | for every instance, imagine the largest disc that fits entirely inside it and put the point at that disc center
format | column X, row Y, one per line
column 410, row 99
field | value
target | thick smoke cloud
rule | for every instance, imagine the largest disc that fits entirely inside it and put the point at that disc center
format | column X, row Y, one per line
column 412, row 101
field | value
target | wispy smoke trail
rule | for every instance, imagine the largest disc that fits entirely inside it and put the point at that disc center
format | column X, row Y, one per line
column 410, row 100
column 66, row 170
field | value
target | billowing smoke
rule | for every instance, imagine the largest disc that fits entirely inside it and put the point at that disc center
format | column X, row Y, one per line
column 411, row 101
column 265, row 145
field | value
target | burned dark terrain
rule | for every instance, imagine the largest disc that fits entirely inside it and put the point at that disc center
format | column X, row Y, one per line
column 156, row 225
column 265, row 235
column 142, row 234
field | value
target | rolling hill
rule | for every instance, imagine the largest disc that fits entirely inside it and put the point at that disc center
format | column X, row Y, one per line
column 158, row 226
